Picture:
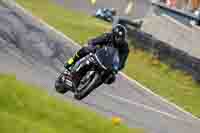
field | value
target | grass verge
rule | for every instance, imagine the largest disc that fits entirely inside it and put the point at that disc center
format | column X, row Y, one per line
column 27, row 109
column 160, row 78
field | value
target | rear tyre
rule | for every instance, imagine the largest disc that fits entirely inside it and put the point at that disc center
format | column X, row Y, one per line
column 79, row 95
column 59, row 86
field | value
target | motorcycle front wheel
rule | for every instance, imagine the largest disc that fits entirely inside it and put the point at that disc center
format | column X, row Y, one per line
column 84, row 90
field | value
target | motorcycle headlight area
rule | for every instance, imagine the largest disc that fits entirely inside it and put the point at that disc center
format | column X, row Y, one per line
column 87, row 62
column 66, row 72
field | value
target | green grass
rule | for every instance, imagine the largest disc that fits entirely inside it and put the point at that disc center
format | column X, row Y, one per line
column 175, row 85
column 171, row 84
column 28, row 109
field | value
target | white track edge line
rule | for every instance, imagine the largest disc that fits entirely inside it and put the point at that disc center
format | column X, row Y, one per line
column 158, row 96
column 144, row 106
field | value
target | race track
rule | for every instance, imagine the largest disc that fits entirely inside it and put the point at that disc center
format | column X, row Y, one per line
column 36, row 55
column 141, row 8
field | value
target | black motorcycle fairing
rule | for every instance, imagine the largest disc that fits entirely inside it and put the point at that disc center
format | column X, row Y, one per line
column 80, row 69
column 85, row 80
column 104, row 61
column 89, row 72
column 108, row 58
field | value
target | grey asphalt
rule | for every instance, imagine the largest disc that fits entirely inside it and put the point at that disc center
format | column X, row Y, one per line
column 36, row 55
column 174, row 33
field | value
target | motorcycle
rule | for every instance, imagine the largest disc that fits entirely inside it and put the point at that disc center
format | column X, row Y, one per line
column 104, row 14
column 88, row 73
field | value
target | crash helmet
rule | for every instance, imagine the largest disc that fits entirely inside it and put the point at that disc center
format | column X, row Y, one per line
column 119, row 34
column 113, row 11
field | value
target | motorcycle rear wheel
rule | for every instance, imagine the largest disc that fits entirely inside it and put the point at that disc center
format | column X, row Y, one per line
column 60, row 87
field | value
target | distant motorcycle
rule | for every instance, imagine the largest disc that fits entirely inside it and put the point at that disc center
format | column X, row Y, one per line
column 88, row 73
column 105, row 14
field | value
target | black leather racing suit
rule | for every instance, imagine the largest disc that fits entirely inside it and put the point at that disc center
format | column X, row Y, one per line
column 106, row 39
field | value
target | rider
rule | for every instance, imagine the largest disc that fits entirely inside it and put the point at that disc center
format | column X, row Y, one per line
column 116, row 38
column 113, row 11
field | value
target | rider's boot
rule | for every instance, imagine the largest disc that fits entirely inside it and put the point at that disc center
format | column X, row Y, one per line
column 72, row 61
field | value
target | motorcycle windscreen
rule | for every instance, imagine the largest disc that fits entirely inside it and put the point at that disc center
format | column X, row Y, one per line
column 108, row 57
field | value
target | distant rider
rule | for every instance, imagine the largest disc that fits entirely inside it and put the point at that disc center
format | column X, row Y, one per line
column 116, row 38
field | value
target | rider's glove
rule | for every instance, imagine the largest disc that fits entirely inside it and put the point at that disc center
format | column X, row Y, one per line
column 115, row 70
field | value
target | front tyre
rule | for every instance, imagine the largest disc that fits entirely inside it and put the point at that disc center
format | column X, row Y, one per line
column 94, row 83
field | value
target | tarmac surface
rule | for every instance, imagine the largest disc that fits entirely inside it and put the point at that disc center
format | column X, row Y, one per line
column 36, row 55
column 178, row 35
